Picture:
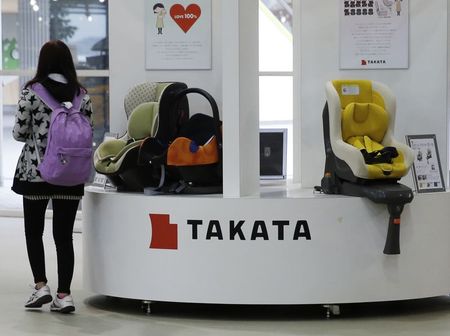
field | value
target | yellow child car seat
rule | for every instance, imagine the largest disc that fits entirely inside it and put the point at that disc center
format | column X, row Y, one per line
column 362, row 156
column 361, row 119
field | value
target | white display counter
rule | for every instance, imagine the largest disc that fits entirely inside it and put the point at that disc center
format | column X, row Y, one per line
column 284, row 247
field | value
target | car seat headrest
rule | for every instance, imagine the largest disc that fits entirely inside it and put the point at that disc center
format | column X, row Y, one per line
column 141, row 93
column 143, row 121
column 357, row 91
column 364, row 119
column 360, row 112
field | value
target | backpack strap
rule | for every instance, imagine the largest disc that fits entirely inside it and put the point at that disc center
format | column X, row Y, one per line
column 51, row 102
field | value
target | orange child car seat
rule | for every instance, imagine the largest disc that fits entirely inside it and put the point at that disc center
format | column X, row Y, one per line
column 192, row 161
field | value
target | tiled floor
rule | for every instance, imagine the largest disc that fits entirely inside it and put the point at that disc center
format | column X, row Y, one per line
column 99, row 315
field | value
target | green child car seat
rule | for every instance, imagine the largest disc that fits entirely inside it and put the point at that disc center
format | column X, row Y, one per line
column 148, row 109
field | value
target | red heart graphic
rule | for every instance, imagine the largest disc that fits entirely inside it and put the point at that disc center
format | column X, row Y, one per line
column 185, row 18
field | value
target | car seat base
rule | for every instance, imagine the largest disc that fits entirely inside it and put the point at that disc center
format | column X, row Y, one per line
column 393, row 194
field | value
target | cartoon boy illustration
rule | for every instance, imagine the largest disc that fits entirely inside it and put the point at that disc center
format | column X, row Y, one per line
column 398, row 6
column 384, row 8
column 160, row 12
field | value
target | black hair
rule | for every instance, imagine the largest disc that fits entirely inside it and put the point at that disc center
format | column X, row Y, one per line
column 158, row 5
column 55, row 57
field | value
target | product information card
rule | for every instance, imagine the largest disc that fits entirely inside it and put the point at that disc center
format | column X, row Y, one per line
column 374, row 34
column 178, row 34
column 427, row 169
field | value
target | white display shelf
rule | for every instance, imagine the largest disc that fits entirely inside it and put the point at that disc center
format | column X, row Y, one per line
column 342, row 262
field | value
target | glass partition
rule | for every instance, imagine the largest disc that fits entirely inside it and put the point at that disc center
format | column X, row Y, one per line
column 276, row 69
column 98, row 90
column 81, row 24
column 25, row 26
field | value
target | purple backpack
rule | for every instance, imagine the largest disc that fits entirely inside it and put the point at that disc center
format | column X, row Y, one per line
column 68, row 157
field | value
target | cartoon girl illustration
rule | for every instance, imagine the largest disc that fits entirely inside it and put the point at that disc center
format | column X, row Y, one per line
column 160, row 12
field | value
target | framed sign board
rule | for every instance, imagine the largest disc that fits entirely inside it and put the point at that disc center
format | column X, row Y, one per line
column 178, row 34
column 427, row 171
column 374, row 34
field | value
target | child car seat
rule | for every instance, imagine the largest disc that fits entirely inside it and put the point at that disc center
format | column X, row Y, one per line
column 196, row 154
column 362, row 156
column 362, row 117
column 191, row 162
column 147, row 108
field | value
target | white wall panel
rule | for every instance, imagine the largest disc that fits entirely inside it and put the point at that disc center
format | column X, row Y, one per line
column 127, row 59
column 421, row 90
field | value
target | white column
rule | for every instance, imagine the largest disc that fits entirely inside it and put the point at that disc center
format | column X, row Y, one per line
column 296, row 120
column 240, row 98
column 1, row 106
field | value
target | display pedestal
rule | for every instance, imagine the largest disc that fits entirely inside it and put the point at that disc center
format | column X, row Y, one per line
column 284, row 247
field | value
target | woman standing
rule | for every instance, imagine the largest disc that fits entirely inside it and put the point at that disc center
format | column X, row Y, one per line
column 56, row 73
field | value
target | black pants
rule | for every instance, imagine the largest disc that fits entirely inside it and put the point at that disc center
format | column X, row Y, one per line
column 64, row 212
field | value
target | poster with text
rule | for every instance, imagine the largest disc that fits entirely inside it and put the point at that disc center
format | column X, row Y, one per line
column 374, row 34
column 178, row 34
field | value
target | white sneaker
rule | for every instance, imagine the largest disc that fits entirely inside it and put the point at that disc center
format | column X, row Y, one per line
column 39, row 297
column 64, row 305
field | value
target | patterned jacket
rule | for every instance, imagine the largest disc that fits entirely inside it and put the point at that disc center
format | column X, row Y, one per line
column 33, row 117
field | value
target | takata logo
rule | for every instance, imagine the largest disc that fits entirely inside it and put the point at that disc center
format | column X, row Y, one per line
column 165, row 234
column 369, row 62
